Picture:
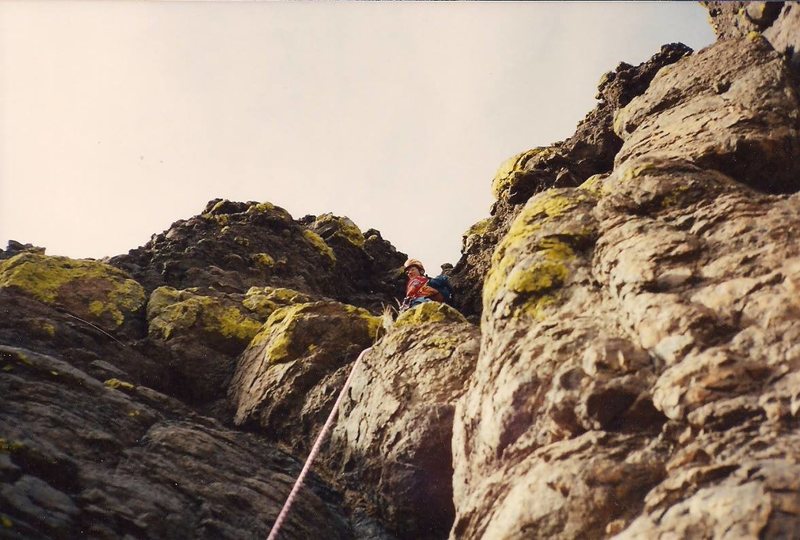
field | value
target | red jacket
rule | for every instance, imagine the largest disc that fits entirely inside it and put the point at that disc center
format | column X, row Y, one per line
column 417, row 287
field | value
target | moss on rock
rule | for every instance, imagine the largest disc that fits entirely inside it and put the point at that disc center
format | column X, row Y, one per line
column 426, row 313
column 119, row 385
column 91, row 289
column 342, row 227
column 297, row 330
column 271, row 209
column 263, row 260
column 316, row 240
column 531, row 263
column 171, row 312
column 513, row 168
column 262, row 301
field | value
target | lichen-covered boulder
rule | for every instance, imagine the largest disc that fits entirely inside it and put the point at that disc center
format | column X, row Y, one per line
column 569, row 163
column 287, row 379
column 639, row 356
column 262, row 301
column 392, row 440
column 716, row 118
column 205, row 333
column 232, row 246
column 428, row 312
column 91, row 290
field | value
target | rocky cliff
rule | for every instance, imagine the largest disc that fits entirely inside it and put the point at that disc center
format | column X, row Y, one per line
column 624, row 361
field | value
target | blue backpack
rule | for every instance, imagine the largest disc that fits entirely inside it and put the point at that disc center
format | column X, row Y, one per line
column 442, row 284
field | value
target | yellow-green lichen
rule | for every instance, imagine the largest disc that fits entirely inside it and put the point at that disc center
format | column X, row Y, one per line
column 119, row 385
column 511, row 169
column 242, row 241
column 10, row 447
column 218, row 206
column 594, row 185
column 634, row 170
column 220, row 219
column 754, row 36
column 298, row 330
column 43, row 326
column 89, row 287
column 277, row 332
column 537, row 282
column 443, row 343
column 674, row 197
column 263, row 260
column 374, row 323
column 426, row 313
column 269, row 208
column 548, row 269
column 6, row 522
column 478, row 229
column 316, row 240
column 262, row 301
column 171, row 312
column 344, row 227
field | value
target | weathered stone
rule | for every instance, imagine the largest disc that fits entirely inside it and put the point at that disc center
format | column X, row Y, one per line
column 233, row 246
column 589, row 152
column 287, row 380
column 712, row 108
column 89, row 289
column 644, row 317
column 85, row 459
column 392, row 442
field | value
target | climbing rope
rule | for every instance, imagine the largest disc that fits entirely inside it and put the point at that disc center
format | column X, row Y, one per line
column 273, row 534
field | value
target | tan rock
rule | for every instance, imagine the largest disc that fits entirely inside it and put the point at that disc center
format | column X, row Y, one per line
column 287, row 379
column 392, row 442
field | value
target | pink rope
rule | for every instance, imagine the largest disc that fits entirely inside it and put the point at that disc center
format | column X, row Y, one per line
column 273, row 534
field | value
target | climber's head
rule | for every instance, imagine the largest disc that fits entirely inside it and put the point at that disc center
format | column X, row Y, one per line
column 414, row 268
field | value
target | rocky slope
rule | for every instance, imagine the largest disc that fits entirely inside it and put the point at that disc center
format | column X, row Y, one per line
column 625, row 363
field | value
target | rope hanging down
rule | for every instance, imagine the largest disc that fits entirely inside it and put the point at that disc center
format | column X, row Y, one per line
column 273, row 534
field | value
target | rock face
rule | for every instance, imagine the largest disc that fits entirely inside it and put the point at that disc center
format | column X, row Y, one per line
column 635, row 373
column 285, row 383
column 778, row 21
column 233, row 246
column 392, row 446
column 590, row 151
column 82, row 458
column 639, row 331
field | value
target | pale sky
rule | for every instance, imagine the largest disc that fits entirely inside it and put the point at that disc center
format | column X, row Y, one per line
column 119, row 118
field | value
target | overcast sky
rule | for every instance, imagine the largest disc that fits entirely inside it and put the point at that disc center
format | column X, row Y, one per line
column 119, row 118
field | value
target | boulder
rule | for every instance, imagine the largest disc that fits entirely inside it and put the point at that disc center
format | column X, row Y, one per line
column 391, row 444
column 91, row 290
column 287, row 379
column 205, row 333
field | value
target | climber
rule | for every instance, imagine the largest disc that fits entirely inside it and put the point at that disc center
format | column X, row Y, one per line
column 419, row 287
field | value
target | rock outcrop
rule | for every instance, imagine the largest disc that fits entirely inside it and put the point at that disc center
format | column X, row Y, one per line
column 635, row 372
column 233, row 246
column 392, row 446
column 639, row 332
column 82, row 457
column 590, row 151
